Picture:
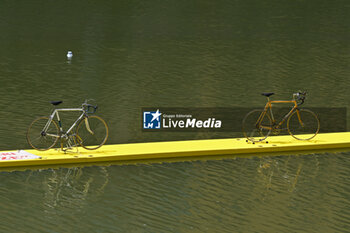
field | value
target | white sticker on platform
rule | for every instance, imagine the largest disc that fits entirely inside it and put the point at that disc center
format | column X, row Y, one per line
column 17, row 155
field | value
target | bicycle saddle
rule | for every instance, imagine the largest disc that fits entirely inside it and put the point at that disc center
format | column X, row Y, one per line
column 56, row 102
column 267, row 94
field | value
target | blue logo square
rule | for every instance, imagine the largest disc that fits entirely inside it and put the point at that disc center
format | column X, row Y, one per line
column 151, row 120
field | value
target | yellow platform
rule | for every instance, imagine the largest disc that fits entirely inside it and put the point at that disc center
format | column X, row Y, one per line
column 175, row 151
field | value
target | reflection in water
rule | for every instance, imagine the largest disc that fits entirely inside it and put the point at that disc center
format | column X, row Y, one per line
column 71, row 188
column 274, row 170
column 244, row 194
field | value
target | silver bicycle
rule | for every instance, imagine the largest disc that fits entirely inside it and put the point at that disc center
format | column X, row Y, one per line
column 89, row 131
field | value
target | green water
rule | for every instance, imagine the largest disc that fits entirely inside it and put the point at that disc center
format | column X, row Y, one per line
column 134, row 54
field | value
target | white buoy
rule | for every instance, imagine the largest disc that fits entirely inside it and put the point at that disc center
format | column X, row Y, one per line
column 69, row 55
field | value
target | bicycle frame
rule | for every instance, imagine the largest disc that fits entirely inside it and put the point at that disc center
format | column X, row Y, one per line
column 269, row 106
column 55, row 112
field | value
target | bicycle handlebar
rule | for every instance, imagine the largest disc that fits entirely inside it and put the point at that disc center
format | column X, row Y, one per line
column 300, row 96
column 91, row 106
column 88, row 107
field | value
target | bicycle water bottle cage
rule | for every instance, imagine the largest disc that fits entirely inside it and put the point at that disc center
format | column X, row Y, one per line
column 56, row 102
column 268, row 94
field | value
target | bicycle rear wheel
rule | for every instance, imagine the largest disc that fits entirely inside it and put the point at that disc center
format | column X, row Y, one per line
column 92, row 132
column 254, row 130
column 304, row 128
column 40, row 140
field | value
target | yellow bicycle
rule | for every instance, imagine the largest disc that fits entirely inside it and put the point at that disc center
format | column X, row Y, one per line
column 302, row 124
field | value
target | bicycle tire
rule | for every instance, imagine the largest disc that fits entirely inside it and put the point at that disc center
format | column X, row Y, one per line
column 306, row 130
column 256, row 133
column 42, row 141
column 93, row 135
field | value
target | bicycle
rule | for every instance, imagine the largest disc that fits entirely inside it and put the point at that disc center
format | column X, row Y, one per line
column 302, row 124
column 91, row 132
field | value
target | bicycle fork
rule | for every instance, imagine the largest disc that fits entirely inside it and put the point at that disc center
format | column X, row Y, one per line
column 88, row 126
column 299, row 119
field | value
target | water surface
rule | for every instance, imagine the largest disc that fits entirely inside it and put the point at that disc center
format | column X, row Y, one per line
column 134, row 54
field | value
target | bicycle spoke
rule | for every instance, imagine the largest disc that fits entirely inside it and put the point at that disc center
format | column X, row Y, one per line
column 255, row 128
column 37, row 139
column 304, row 126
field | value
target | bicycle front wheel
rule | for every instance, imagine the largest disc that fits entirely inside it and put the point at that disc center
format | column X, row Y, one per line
column 92, row 132
column 256, row 125
column 303, row 124
column 40, row 139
